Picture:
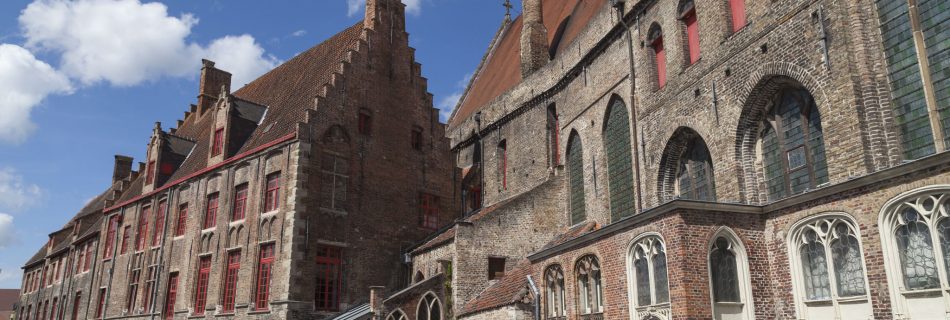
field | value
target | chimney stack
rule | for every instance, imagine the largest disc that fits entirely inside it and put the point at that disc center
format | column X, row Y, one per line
column 122, row 168
column 534, row 38
column 213, row 82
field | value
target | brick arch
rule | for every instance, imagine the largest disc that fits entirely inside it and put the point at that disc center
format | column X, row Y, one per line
column 669, row 161
column 761, row 86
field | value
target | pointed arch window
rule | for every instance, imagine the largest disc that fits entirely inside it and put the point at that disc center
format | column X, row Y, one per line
column 649, row 274
column 619, row 160
column 430, row 308
column 828, row 267
column 575, row 167
column 589, row 288
column 729, row 277
column 659, row 54
column 694, row 175
column 397, row 315
column 691, row 24
column 793, row 144
column 553, row 134
column 556, row 307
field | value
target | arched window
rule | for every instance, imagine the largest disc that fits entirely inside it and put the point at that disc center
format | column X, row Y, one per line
column 650, row 283
column 659, row 54
column 397, row 315
column 418, row 277
column 690, row 23
column 729, row 277
column 619, row 162
column 589, row 289
column 554, row 292
column 575, row 171
column 554, row 135
column 793, row 146
column 430, row 308
column 694, row 174
column 828, row 268
column 916, row 236
column 737, row 12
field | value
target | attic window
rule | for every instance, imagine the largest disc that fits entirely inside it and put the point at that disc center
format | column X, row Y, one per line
column 558, row 36
column 218, row 146
column 496, row 268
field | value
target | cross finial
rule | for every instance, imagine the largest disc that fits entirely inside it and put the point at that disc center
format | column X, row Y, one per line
column 508, row 7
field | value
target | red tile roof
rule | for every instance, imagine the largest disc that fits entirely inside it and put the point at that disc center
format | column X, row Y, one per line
column 501, row 69
column 442, row 238
column 508, row 290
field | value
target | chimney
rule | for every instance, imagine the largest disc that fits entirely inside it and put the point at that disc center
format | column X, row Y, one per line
column 213, row 81
column 376, row 300
column 534, row 38
column 385, row 16
column 122, row 168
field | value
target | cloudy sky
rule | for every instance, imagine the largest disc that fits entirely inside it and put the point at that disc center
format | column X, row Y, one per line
column 83, row 80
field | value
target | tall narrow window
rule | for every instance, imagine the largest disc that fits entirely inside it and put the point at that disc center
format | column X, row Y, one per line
column 502, row 155
column 230, row 280
column 793, row 146
column 737, row 12
column 328, row 276
column 619, row 160
column 53, row 309
column 416, row 138
column 182, row 220
column 575, row 167
column 554, row 293
column 589, row 289
column 150, row 172
column 76, row 301
column 101, row 305
column 430, row 308
column 688, row 16
column 134, row 278
column 41, row 311
column 651, row 283
column 151, row 278
column 240, row 202
column 89, row 256
column 429, row 217
column 159, row 223
column 659, row 54
column 201, row 285
column 218, row 146
column 170, row 296
column 272, row 195
column 334, row 170
column 828, row 267
column 365, row 124
column 729, row 276
column 110, row 237
column 264, row 264
column 554, row 135
column 126, row 234
column 211, row 212
column 142, row 232
column 694, row 174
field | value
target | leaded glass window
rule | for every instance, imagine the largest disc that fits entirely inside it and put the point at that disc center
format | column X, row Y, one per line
column 848, row 262
column 644, row 296
column 430, row 308
column 793, row 144
column 724, row 271
column 830, row 259
column 397, row 315
column 589, row 289
column 619, row 162
column 694, row 175
column 817, row 286
column 554, row 287
column 575, row 167
column 649, row 272
column 915, row 245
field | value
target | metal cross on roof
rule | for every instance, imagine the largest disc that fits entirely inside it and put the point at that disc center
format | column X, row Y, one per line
column 508, row 7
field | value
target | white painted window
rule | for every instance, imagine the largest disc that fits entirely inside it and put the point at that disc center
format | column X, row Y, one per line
column 430, row 308
column 649, row 280
column 589, row 289
column 554, row 292
column 397, row 315
column 828, row 269
column 915, row 234
column 729, row 277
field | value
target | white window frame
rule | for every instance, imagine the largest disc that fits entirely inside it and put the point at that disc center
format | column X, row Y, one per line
column 397, row 314
column 428, row 307
column 584, row 292
column 742, row 268
column 661, row 311
column 559, row 298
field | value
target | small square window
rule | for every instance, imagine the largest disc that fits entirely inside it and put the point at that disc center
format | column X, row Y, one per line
column 496, row 268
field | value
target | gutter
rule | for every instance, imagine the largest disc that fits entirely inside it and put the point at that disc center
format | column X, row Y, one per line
column 537, row 298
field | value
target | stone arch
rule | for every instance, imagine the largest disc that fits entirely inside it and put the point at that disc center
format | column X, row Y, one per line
column 679, row 143
column 755, row 98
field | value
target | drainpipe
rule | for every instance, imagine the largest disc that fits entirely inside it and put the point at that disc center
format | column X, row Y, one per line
column 537, row 298
column 619, row 4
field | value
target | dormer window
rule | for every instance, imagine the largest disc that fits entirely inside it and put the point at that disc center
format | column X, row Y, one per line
column 150, row 172
column 218, row 145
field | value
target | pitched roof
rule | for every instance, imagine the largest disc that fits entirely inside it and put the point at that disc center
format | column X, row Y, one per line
column 8, row 297
column 441, row 238
column 501, row 69
column 510, row 289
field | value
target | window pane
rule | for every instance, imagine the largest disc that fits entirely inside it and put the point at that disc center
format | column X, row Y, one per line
column 725, row 275
column 816, row 145
column 643, row 279
column 846, row 256
column 661, row 285
column 915, row 246
column 619, row 167
column 575, row 167
column 943, row 229
column 774, row 170
column 815, row 267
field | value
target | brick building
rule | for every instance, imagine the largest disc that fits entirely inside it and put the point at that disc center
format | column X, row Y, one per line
column 275, row 201
column 699, row 159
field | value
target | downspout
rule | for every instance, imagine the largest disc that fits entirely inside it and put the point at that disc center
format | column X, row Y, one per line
column 537, row 298
column 619, row 4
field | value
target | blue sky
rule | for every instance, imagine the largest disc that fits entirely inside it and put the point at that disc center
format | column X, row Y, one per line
column 83, row 80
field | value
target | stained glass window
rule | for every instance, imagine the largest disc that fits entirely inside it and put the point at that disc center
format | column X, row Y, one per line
column 915, row 245
column 695, row 175
column 815, row 266
column 846, row 255
column 554, row 282
column 429, row 308
column 575, row 167
column 793, row 144
column 828, row 249
column 619, row 161
column 644, row 297
column 661, row 284
column 649, row 272
column 589, row 290
column 725, row 273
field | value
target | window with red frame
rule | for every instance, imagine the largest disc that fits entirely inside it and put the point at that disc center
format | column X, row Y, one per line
column 101, row 304
column 56, row 270
column 135, row 276
column 430, row 211
column 110, row 236
column 265, row 263
column 688, row 15
column 230, row 280
column 272, row 195
column 52, row 309
column 554, row 136
column 88, row 265
column 182, row 220
column 41, row 311
column 218, row 146
column 211, row 213
column 150, row 279
column 76, row 301
column 142, row 232
column 417, row 138
column 502, row 155
column 150, row 172
column 659, row 54
column 737, row 9
column 240, row 203
column 170, row 296
column 126, row 233
column 365, row 123
column 201, row 286
column 328, row 272
column 159, row 223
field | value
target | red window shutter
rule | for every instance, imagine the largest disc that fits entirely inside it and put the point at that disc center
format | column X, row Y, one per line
column 170, row 296
column 88, row 265
column 264, row 264
column 52, row 311
column 76, row 302
column 125, row 239
column 142, row 232
column 737, row 7
column 159, row 223
column 240, row 202
column 660, row 61
column 218, row 146
column 101, row 305
column 692, row 35
column 166, row 168
column 201, row 287
column 150, row 172
column 328, row 275
column 230, row 280
column 110, row 237
column 211, row 214
column 182, row 220
column 272, row 196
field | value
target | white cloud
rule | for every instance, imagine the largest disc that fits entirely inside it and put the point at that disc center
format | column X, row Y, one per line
column 299, row 33
column 16, row 194
column 24, row 83
column 7, row 237
column 413, row 7
column 126, row 42
column 447, row 104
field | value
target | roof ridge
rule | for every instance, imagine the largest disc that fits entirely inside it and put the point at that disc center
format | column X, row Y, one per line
column 503, row 29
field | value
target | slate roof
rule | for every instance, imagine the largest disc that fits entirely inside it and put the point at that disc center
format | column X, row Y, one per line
column 510, row 289
column 501, row 68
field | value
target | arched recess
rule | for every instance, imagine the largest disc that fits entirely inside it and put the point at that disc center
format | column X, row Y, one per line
column 418, row 277
column 575, row 171
column 686, row 169
column 616, row 133
column 648, row 278
column 397, row 315
column 777, row 106
column 430, row 308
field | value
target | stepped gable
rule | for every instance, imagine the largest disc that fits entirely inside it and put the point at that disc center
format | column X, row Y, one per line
column 500, row 69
